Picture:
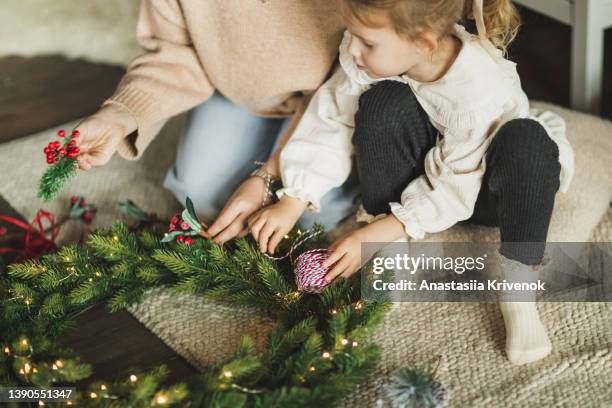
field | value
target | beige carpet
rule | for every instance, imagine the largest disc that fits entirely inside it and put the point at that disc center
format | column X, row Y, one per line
column 470, row 336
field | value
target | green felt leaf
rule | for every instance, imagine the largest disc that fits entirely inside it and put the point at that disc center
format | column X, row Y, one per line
column 189, row 206
column 171, row 235
column 192, row 221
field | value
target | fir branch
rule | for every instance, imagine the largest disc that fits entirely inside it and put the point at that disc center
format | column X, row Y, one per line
column 117, row 266
column 53, row 305
column 27, row 270
column 174, row 261
column 55, row 177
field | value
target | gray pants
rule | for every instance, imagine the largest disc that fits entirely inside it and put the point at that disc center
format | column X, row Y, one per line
column 216, row 151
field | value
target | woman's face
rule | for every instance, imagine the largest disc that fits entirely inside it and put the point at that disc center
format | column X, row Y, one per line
column 380, row 51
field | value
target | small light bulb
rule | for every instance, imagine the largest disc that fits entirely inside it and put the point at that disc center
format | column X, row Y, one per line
column 133, row 378
column 54, row 367
column 103, row 387
column 344, row 342
column 7, row 350
column 59, row 363
column 326, row 354
column 24, row 342
column 93, row 395
column 162, row 399
column 334, row 311
column 40, row 403
column 355, row 344
column 227, row 374
column 311, row 368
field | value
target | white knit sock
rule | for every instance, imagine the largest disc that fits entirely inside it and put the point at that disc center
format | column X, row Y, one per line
column 526, row 337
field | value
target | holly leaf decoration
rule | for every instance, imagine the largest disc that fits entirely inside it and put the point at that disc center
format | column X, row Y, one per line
column 132, row 210
column 77, row 210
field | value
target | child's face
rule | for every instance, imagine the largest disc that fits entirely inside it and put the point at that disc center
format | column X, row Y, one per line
column 381, row 52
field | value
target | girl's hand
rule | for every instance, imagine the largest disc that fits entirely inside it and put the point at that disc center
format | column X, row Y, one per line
column 346, row 251
column 101, row 133
column 232, row 221
column 346, row 254
column 272, row 223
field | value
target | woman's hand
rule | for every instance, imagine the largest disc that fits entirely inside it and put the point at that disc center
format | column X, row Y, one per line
column 272, row 223
column 232, row 221
column 101, row 133
column 346, row 251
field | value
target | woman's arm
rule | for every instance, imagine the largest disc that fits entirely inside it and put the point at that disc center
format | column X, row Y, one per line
column 166, row 80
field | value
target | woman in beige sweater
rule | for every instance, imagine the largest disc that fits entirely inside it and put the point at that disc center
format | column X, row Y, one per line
column 245, row 70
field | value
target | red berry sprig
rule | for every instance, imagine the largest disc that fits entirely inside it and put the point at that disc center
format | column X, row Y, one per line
column 55, row 151
column 81, row 209
column 62, row 165
column 177, row 224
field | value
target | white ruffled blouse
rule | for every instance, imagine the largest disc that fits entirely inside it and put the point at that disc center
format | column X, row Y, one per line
column 467, row 106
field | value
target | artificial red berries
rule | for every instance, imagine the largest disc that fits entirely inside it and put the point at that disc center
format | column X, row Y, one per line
column 178, row 226
column 79, row 208
column 55, row 151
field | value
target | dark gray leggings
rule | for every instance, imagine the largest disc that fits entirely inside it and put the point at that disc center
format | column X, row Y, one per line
column 393, row 134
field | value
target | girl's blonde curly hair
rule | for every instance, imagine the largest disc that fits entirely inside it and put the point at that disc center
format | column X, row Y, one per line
column 411, row 17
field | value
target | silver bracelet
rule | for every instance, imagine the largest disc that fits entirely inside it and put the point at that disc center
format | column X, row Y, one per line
column 269, row 180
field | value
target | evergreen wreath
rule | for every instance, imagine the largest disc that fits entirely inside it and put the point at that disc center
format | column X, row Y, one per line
column 318, row 351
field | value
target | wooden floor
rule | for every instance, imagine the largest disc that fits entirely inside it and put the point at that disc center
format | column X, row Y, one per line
column 38, row 93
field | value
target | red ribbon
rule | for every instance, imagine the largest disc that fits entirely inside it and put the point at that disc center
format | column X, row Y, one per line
column 35, row 241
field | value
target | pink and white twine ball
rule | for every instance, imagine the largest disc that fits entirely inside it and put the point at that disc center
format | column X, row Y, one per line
column 309, row 272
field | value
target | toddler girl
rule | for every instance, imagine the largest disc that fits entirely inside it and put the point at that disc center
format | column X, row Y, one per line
column 441, row 132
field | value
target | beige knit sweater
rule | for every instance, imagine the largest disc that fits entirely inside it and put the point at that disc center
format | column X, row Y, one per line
column 264, row 55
